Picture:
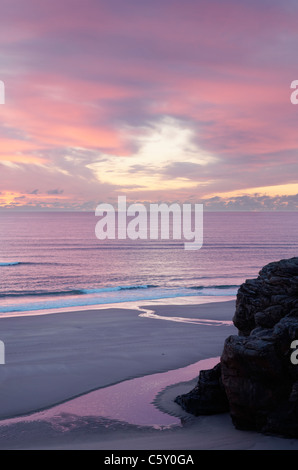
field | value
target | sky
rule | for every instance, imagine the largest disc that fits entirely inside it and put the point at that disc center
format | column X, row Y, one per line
column 158, row 100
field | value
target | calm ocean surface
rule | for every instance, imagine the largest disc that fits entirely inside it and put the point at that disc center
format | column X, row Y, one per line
column 53, row 260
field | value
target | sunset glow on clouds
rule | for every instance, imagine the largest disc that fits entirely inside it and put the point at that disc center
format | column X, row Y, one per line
column 161, row 101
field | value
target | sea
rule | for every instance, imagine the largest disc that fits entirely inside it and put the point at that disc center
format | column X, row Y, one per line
column 53, row 260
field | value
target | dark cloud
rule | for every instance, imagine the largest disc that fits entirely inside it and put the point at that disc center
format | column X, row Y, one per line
column 252, row 203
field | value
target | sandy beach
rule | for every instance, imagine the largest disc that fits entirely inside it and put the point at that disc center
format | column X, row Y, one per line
column 55, row 359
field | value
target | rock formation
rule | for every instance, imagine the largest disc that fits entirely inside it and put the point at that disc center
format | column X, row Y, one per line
column 256, row 380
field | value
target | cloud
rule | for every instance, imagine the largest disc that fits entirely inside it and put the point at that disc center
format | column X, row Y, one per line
column 160, row 146
column 188, row 170
column 162, row 99
column 55, row 191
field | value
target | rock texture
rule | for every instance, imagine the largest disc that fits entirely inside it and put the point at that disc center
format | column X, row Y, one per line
column 208, row 397
column 256, row 380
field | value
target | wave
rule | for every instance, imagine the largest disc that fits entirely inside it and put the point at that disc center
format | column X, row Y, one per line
column 224, row 286
column 19, row 263
column 117, row 288
column 18, row 301
column 201, row 290
column 106, row 295
column 85, row 301
column 9, row 263
column 40, row 293
column 75, row 291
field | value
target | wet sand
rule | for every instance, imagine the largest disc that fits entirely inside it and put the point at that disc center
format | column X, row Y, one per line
column 52, row 359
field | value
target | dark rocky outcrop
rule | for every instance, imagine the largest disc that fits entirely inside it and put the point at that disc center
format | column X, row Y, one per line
column 256, row 380
column 208, row 397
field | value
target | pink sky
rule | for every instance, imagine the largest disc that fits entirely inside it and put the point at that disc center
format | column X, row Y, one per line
column 159, row 101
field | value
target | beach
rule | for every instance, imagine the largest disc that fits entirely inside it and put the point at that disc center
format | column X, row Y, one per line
column 54, row 359
column 147, row 198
